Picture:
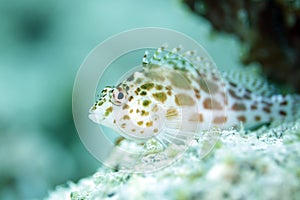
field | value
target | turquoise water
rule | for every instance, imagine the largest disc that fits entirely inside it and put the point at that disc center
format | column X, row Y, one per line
column 42, row 45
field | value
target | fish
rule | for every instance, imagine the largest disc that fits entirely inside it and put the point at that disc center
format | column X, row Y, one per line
column 176, row 94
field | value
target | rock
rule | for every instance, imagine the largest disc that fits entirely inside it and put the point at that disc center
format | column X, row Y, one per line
column 269, row 29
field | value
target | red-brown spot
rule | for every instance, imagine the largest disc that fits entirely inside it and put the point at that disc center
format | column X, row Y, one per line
column 247, row 96
column 148, row 124
column 184, row 100
column 126, row 106
column 238, row 106
column 196, row 90
column 168, row 87
column 126, row 117
column 257, row 118
column 267, row 103
column 144, row 113
column 284, row 103
column 282, row 113
column 130, row 98
column 220, row 120
column 253, row 107
column 196, row 117
column 147, row 86
column 171, row 112
column 241, row 118
column 160, row 96
column 159, row 87
column 123, row 125
column 197, row 93
column 209, row 86
column 233, row 94
column 212, row 104
column 232, row 84
column 267, row 109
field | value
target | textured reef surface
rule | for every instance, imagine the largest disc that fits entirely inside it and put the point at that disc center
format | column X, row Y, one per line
column 257, row 164
column 269, row 29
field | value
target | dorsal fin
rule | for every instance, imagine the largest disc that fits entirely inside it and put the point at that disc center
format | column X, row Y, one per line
column 161, row 56
column 250, row 79
column 179, row 59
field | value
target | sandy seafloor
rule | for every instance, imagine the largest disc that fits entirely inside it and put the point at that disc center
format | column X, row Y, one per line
column 260, row 164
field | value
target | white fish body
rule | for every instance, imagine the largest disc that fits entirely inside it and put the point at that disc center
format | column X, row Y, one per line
column 177, row 95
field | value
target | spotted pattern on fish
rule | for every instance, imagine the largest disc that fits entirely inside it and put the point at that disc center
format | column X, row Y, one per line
column 179, row 92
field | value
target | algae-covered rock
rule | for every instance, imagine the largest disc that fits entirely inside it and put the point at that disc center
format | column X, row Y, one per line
column 269, row 30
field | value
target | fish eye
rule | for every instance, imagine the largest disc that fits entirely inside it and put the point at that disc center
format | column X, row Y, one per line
column 118, row 96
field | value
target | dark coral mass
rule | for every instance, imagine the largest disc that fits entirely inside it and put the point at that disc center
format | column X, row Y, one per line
column 270, row 28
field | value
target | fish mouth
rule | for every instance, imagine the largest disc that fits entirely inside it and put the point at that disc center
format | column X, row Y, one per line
column 92, row 117
column 95, row 118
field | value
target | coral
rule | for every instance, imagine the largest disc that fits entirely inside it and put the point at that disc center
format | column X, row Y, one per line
column 260, row 164
column 270, row 30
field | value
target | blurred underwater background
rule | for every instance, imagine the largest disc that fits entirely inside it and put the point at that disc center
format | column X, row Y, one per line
column 43, row 43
